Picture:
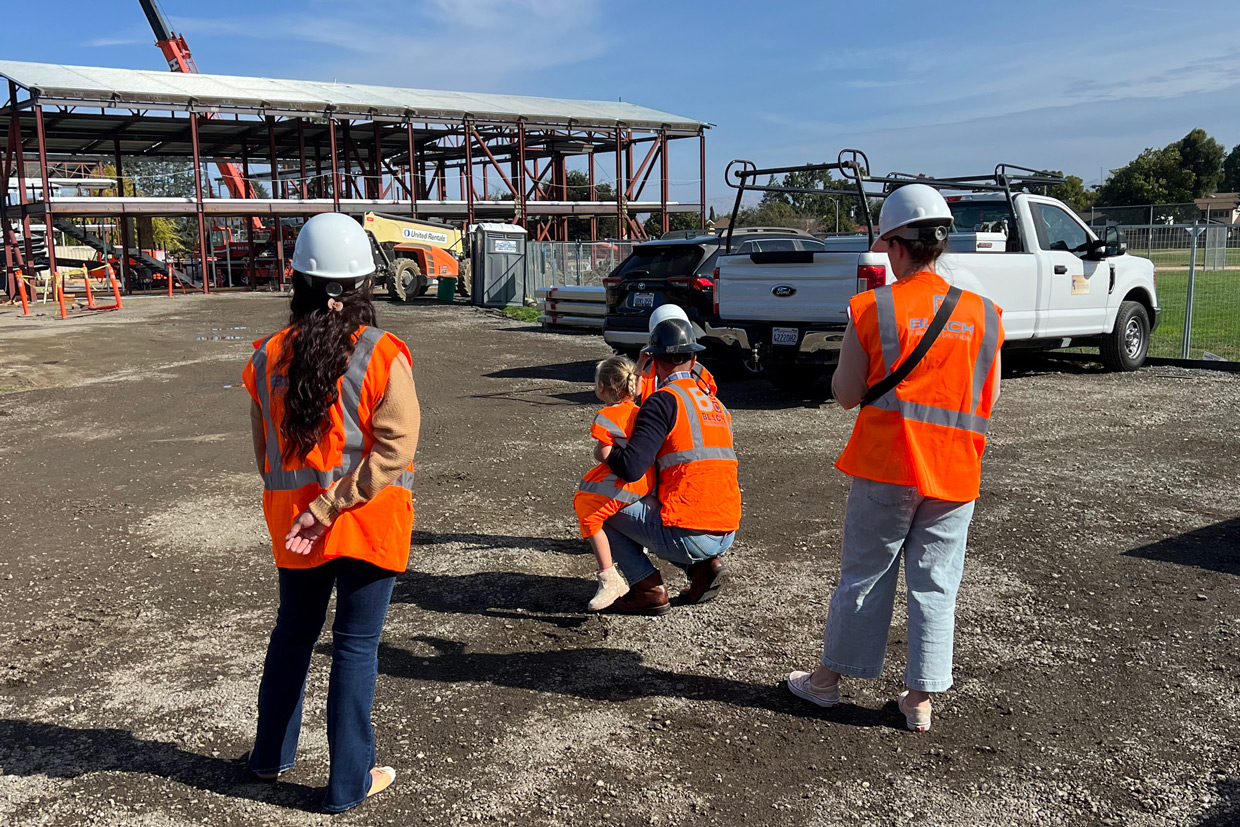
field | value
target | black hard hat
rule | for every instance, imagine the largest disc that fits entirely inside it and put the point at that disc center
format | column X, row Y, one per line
column 671, row 337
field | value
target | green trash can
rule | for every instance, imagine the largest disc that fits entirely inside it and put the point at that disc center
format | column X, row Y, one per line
column 446, row 289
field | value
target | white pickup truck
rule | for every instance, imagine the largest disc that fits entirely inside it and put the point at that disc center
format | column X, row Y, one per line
column 1058, row 284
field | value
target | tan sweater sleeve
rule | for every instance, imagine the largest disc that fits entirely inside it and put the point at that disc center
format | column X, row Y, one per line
column 848, row 385
column 258, row 434
column 395, row 426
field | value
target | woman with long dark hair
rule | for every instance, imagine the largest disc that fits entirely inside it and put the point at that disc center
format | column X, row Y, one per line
column 335, row 422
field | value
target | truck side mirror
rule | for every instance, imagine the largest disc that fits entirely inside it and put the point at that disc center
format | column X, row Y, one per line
column 1115, row 245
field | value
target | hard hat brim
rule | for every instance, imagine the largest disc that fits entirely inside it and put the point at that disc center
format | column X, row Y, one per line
column 674, row 350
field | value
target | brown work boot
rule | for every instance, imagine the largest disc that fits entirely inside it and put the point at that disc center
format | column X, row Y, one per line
column 705, row 580
column 645, row 597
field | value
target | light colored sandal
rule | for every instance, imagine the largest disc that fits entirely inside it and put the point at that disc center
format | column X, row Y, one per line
column 380, row 779
column 919, row 719
column 799, row 684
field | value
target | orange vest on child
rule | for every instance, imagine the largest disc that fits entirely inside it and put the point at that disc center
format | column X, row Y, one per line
column 930, row 430
column 601, row 493
column 378, row 531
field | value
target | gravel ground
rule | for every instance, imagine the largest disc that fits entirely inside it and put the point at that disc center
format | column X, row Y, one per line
column 1097, row 628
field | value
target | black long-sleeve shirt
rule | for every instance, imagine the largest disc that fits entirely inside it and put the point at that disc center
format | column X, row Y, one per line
column 654, row 422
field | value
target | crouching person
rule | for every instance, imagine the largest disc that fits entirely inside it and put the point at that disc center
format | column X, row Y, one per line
column 685, row 434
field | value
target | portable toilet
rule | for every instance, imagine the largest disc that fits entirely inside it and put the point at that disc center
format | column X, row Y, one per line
column 499, row 265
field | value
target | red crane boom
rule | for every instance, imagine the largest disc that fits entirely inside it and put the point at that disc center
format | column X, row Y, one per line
column 176, row 52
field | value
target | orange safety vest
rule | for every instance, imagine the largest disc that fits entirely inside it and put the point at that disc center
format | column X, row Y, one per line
column 697, row 463
column 650, row 383
column 600, row 492
column 377, row 531
column 930, row 430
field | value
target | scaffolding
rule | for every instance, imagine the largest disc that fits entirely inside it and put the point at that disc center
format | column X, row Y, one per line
column 329, row 147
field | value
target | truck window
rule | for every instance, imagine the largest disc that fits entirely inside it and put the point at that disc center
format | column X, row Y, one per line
column 1057, row 230
column 980, row 216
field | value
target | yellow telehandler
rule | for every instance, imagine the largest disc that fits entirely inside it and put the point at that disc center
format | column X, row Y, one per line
column 408, row 253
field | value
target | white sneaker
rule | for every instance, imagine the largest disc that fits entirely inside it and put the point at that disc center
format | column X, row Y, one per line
column 799, row 684
column 611, row 587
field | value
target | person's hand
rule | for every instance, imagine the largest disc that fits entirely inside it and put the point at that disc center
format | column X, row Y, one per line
column 306, row 531
column 643, row 359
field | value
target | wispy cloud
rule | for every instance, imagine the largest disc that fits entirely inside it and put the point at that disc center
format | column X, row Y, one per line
column 102, row 42
column 479, row 45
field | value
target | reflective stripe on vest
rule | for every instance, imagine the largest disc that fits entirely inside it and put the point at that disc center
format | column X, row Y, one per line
column 610, row 426
column 889, row 337
column 609, row 487
column 278, row 479
column 698, row 451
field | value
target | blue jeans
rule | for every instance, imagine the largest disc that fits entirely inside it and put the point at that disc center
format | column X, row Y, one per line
column 362, row 595
column 881, row 521
column 641, row 526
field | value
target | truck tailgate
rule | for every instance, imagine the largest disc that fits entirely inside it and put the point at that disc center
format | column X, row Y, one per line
column 787, row 286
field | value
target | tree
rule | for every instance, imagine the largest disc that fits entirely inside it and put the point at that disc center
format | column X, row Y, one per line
column 1072, row 192
column 163, row 230
column 711, row 217
column 1203, row 157
column 1231, row 171
column 675, row 221
column 578, row 189
column 1156, row 176
column 167, row 178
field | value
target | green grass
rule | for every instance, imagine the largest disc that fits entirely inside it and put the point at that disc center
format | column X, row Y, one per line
column 522, row 314
column 1180, row 258
column 1216, row 314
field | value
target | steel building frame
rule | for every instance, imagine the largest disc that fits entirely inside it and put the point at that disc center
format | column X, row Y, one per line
column 324, row 156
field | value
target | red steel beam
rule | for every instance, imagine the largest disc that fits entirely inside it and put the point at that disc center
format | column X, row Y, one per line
column 702, row 179
column 651, row 154
column 16, row 135
column 49, row 235
column 620, row 189
column 469, row 173
column 663, row 177
column 331, row 131
column 413, row 177
column 521, row 174
column 126, row 273
column 202, row 227
column 275, row 182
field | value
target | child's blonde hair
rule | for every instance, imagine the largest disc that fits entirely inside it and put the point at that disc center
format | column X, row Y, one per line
column 617, row 376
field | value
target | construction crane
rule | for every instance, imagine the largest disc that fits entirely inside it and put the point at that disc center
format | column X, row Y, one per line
column 176, row 52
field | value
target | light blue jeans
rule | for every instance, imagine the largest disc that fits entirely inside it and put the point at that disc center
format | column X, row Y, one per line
column 641, row 526
column 882, row 521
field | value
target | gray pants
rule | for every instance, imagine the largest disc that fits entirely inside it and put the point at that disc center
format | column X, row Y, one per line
column 883, row 521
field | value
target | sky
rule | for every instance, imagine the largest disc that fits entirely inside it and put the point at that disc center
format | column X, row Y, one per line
column 939, row 88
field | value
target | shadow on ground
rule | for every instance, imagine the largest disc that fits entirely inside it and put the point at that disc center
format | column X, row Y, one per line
column 28, row 748
column 613, row 675
column 581, row 371
column 1226, row 814
column 1215, row 547
column 559, row 601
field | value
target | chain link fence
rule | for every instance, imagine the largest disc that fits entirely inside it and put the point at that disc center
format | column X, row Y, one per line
column 572, row 263
column 1199, row 294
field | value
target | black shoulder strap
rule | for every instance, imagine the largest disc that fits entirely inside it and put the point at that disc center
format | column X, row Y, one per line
column 906, row 367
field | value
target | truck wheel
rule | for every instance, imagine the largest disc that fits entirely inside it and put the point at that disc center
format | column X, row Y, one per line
column 406, row 279
column 1125, row 347
column 797, row 378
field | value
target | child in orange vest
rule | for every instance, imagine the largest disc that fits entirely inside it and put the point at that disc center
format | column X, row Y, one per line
column 600, row 493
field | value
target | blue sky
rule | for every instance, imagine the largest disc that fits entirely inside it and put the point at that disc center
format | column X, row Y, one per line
column 921, row 87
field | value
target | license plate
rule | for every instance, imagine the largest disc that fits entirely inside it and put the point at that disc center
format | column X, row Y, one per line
column 643, row 299
column 786, row 336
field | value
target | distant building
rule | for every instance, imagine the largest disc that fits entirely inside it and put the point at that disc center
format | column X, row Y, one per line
column 1220, row 208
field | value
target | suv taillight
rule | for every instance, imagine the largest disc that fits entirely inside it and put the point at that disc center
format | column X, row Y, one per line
column 871, row 277
column 609, row 286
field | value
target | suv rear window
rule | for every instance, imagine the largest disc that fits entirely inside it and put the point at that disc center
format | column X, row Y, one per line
column 663, row 260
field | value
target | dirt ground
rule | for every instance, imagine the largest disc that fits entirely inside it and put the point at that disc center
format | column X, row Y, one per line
column 1096, row 662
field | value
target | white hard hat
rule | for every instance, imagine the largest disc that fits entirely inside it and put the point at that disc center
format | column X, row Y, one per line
column 664, row 312
column 333, row 246
column 912, row 204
